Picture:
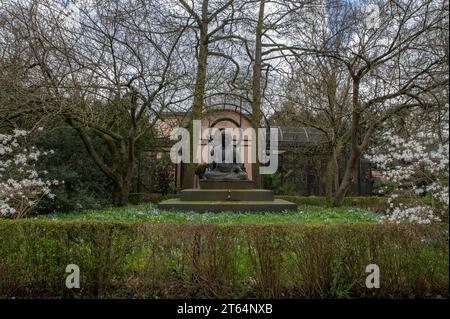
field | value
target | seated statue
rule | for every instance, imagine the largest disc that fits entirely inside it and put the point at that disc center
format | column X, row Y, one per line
column 222, row 170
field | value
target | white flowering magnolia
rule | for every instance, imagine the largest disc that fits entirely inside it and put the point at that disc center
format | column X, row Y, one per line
column 21, row 187
column 419, row 165
column 416, row 215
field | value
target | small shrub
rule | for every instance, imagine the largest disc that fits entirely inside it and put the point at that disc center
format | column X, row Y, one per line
column 274, row 183
column 139, row 198
column 381, row 187
column 164, row 175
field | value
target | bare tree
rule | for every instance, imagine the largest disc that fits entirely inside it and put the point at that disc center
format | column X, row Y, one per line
column 389, row 63
column 207, row 24
column 109, row 77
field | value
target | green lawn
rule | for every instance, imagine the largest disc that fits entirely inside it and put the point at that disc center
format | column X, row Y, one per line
column 149, row 213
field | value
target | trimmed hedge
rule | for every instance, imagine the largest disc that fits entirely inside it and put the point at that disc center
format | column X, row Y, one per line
column 371, row 202
column 139, row 198
column 150, row 260
column 374, row 203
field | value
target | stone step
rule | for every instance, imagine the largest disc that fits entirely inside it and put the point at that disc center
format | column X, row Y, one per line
column 226, row 184
column 278, row 205
column 226, row 195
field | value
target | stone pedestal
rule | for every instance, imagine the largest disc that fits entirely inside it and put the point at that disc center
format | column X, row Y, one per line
column 226, row 184
column 225, row 196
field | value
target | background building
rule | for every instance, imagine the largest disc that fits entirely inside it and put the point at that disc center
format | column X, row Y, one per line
column 302, row 159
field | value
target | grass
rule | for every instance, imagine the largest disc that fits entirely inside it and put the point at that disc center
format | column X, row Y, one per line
column 150, row 213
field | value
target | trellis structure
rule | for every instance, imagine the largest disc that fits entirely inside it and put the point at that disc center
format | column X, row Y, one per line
column 304, row 155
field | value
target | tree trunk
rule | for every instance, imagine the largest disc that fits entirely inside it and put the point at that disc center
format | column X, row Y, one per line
column 199, row 93
column 329, row 177
column 347, row 180
column 355, row 151
column 256, row 91
column 187, row 180
column 120, row 153
column 120, row 195
column 331, row 171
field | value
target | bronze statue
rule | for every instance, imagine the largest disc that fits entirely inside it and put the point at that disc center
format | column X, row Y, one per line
column 222, row 170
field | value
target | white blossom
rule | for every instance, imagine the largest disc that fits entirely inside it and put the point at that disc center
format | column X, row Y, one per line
column 419, row 165
column 21, row 188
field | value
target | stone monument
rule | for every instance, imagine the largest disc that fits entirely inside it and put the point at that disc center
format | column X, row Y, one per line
column 226, row 187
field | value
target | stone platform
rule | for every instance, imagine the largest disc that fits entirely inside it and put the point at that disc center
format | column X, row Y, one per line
column 277, row 205
column 226, row 195
column 235, row 198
